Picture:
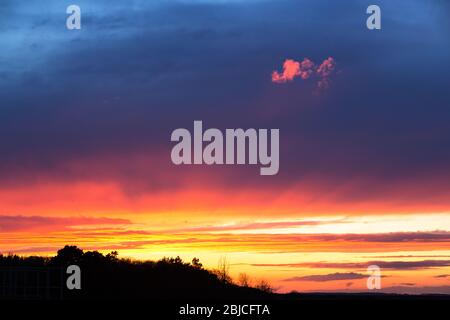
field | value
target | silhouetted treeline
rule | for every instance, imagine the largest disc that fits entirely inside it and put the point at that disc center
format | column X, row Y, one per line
column 108, row 276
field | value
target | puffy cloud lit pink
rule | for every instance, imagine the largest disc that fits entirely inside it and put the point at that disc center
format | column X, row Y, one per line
column 327, row 67
column 306, row 69
column 291, row 69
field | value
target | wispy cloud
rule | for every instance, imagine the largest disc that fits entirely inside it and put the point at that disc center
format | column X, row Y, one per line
column 409, row 256
column 329, row 277
column 257, row 226
column 394, row 265
column 42, row 223
column 420, row 236
column 405, row 289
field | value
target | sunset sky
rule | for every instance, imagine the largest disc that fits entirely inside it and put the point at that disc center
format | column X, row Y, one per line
column 86, row 117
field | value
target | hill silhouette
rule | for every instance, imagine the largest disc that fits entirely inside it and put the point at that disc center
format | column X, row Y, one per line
column 109, row 277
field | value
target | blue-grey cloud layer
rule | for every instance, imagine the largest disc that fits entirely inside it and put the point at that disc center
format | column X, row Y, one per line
column 138, row 70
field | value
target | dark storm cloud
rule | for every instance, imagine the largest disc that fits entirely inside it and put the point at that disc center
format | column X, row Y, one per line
column 136, row 71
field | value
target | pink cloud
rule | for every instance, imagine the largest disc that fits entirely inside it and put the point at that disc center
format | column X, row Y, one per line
column 306, row 69
column 291, row 69
column 327, row 67
column 324, row 71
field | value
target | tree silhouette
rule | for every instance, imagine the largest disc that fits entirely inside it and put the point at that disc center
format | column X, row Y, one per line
column 107, row 276
column 69, row 255
column 244, row 280
column 223, row 270
column 196, row 263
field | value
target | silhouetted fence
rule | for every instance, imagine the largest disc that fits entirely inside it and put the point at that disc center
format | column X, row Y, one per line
column 32, row 283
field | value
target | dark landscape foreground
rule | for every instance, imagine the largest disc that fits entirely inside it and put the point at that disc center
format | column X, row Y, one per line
column 106, row 277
